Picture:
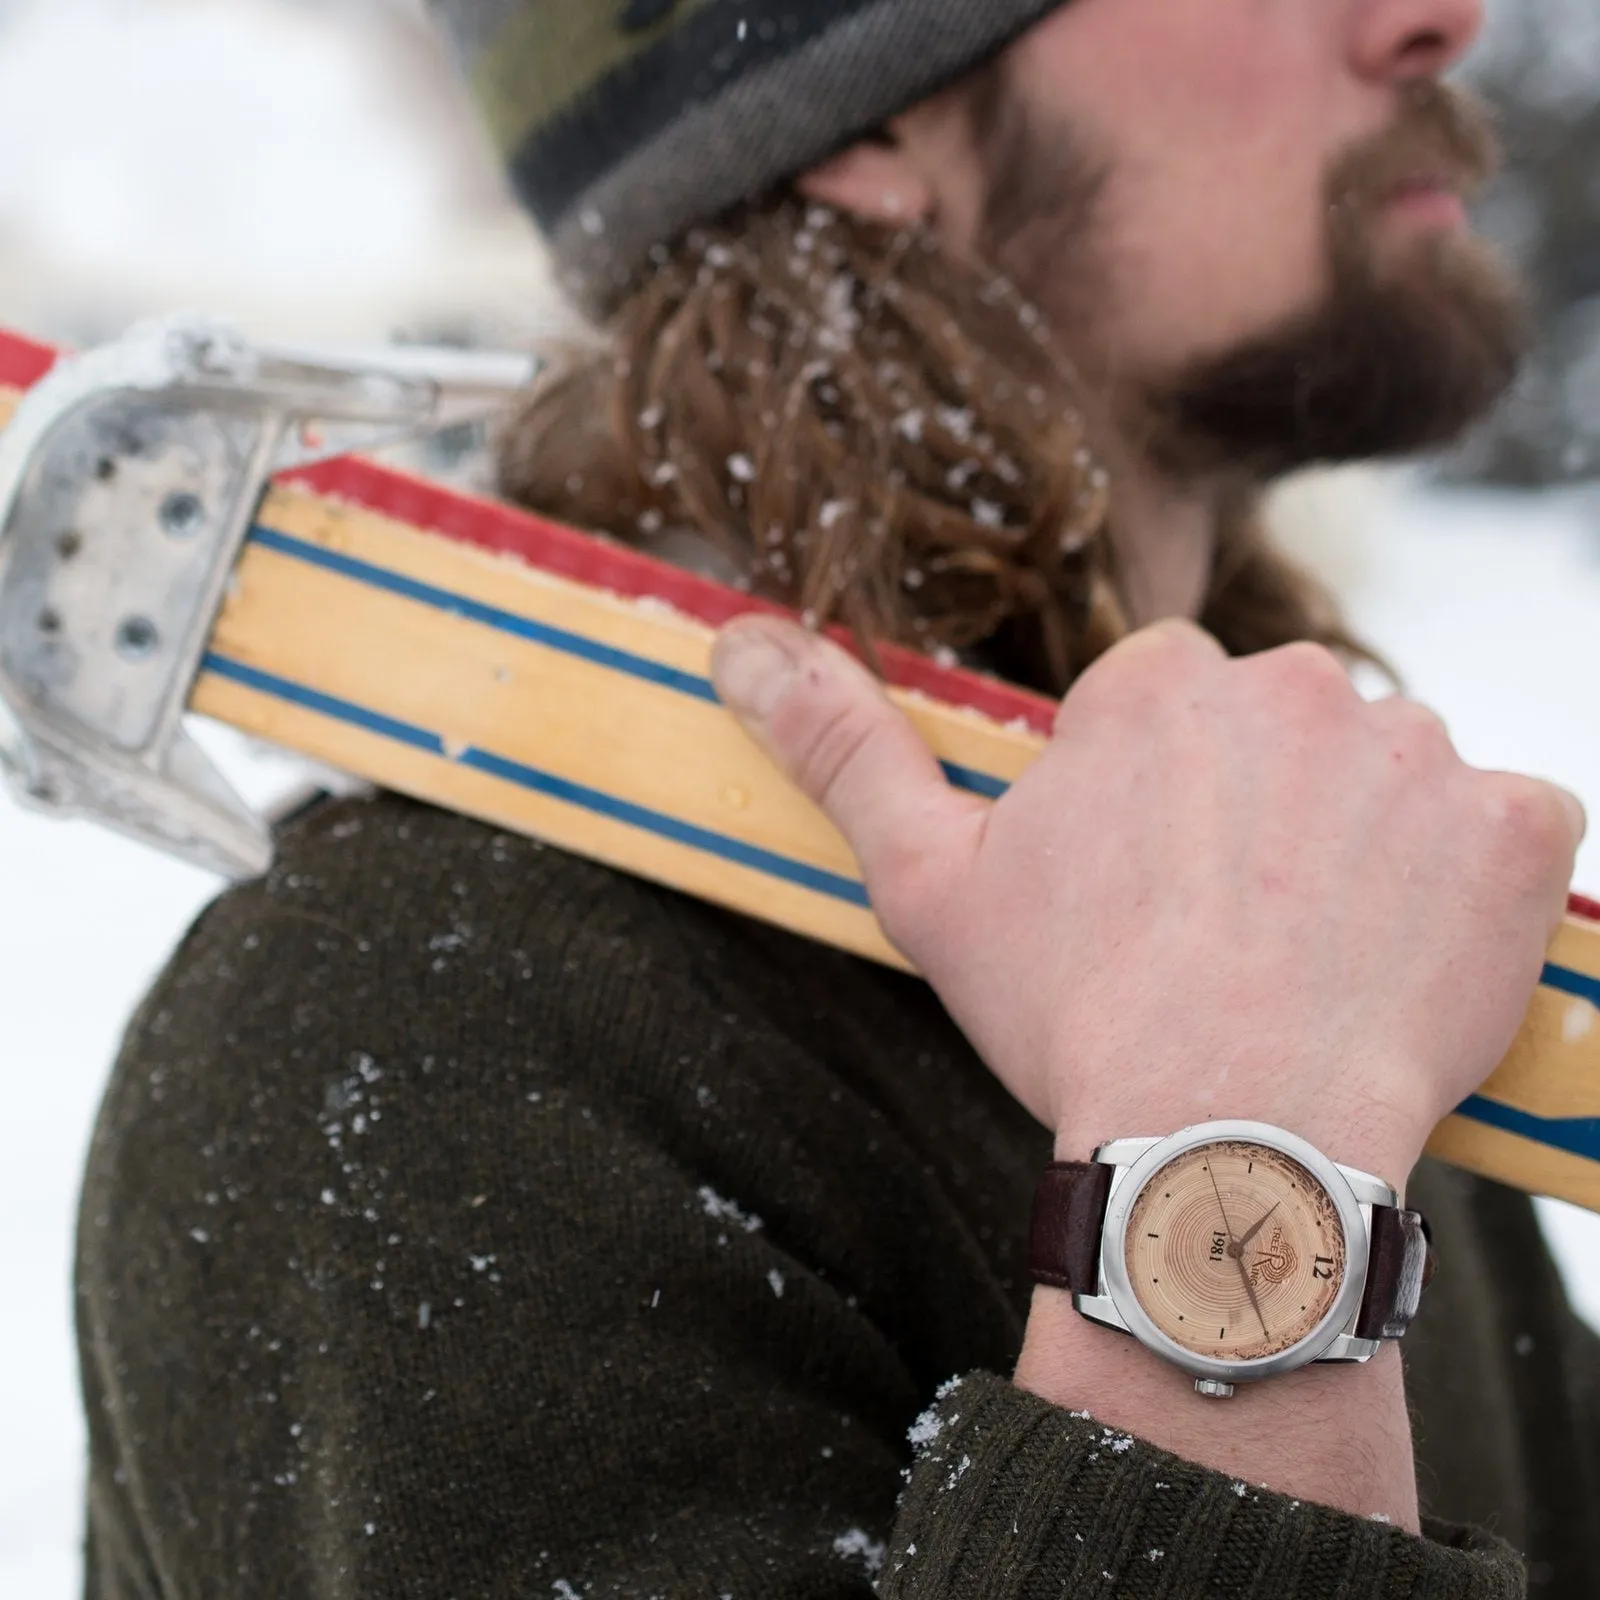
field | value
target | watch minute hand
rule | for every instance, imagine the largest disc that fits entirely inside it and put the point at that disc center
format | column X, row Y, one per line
column 1249, row 1289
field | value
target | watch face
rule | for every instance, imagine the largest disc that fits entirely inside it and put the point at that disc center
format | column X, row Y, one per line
column 1234, row 1250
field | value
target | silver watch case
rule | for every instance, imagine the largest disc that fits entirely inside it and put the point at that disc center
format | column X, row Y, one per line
column 1135, row 1161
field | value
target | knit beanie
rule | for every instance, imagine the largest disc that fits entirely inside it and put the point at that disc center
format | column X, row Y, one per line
column 625, row 122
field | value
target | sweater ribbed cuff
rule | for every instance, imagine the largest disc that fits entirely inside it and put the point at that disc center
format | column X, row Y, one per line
column 1013, row 1498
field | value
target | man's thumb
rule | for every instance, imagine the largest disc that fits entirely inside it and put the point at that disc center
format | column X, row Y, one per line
column 826, row 722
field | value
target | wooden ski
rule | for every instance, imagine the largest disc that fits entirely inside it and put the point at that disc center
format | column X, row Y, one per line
column 553, row 683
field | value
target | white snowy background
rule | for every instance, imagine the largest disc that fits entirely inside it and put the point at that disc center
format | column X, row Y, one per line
column 308, row 170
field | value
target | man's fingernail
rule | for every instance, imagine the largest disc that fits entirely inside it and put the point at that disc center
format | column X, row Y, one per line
column 751, row 665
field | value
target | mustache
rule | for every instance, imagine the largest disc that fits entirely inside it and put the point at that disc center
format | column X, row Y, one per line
column 1442, row 134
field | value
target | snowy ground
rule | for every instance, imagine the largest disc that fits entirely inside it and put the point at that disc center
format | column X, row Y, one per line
column 247, row 157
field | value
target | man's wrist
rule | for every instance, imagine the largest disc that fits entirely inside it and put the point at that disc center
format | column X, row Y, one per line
column 1337, row 1434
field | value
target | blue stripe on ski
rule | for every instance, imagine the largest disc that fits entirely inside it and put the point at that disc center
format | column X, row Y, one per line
column 1579, row 1136
column 545, row 783
column 563, row 639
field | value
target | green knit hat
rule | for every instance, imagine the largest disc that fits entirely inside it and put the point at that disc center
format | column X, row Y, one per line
column 625, row 122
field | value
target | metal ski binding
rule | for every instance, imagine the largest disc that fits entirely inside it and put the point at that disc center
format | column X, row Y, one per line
column 128, row 480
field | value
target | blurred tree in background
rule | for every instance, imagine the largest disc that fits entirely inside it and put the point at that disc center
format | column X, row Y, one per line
column 1539, row 65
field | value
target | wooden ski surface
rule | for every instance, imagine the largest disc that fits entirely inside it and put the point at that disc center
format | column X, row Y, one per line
column 555, row 684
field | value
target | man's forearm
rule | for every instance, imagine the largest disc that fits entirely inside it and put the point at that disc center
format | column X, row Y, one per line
column 1337, row 1434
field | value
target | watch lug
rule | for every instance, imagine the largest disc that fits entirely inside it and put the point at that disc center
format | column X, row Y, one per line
column 1369, row 1189
column 1349, row 1348
column 1123, row 1152
column 1099, row 1308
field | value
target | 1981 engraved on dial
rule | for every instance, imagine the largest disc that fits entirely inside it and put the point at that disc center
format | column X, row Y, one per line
column 1235, row 1251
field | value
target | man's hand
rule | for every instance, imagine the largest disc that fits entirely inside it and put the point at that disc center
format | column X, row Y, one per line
column 1226, row 888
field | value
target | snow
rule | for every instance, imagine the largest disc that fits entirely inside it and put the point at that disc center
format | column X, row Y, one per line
column 268, row 161
column 857, row 1544
column 723, row 1210
column 141, row 72
column 87, row 919
column 925, row 1430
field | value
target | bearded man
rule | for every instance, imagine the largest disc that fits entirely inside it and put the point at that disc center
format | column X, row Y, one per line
column 467, row 1220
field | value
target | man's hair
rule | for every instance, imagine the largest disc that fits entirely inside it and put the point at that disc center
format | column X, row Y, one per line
column 858, row 425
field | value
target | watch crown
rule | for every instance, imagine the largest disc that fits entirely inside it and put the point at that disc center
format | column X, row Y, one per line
column 1214, row 1388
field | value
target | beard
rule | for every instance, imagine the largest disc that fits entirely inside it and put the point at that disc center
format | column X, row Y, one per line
column 1402, row 353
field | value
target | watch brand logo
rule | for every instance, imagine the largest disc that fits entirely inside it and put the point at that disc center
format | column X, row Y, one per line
column 1275, row 1261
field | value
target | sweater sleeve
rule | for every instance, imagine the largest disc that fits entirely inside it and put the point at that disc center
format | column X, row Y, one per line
column 460, row 1241
column 1014, row 1498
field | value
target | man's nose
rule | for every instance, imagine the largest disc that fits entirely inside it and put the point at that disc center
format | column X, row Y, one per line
column 1398, row 39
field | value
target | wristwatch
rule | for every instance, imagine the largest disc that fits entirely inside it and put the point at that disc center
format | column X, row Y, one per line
column 1236, row 1250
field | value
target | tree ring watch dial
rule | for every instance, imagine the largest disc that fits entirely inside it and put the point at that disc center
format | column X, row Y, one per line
column 1235, row 1251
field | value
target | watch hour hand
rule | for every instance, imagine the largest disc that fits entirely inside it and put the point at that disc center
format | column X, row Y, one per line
column 1256, row 1227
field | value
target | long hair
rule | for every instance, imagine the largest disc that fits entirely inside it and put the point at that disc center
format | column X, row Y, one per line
column 847, row 420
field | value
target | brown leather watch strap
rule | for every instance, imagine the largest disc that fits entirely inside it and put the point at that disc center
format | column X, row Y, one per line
column 1400, row 1262
column 1069, row 1210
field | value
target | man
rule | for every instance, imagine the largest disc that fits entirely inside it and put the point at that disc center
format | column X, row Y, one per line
column 467, row 1220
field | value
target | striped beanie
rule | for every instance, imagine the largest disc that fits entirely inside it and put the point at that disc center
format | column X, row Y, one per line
column 624, row 122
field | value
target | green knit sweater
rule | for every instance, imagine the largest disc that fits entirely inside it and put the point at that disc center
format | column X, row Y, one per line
column 465, row 1220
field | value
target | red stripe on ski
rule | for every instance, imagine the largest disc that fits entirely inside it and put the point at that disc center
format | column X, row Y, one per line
column 493, row 525
column 1580, row 905
column 23, row 362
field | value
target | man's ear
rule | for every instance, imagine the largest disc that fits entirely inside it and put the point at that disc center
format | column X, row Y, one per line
column 874, row 179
